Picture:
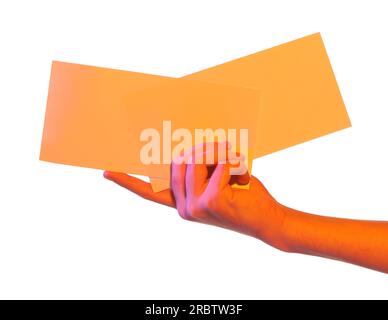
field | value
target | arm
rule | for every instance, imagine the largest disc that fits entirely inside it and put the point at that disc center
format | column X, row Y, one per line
column 206, row 196
column 364, row 243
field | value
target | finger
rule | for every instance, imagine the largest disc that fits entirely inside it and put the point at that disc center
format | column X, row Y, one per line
column 197, row 171
column 196, row 175
column 220, row 178
column 241, row 179
column 178, row 173
column 178, row 178
column 141, row 188
column 238, row 170
column 207, row 153
column 211, row 153
column 239, row 173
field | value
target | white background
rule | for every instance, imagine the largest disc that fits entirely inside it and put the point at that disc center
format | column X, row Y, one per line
column 65, row 232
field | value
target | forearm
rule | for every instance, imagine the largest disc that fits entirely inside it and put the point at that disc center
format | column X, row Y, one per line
column 364, row 243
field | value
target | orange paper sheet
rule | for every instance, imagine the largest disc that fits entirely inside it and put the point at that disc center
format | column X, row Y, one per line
column 301, row 99
column 95, row 116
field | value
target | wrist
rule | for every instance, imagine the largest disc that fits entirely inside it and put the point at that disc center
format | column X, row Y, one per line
column 282, row 240
column 275, row 232
column 290, row 229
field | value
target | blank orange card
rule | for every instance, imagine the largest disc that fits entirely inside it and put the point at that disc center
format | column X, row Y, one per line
column 95, row 116
column 300, row 96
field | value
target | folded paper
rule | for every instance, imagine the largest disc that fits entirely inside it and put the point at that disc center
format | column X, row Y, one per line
column 95, row 117
column 285, row 95
column 301, row 98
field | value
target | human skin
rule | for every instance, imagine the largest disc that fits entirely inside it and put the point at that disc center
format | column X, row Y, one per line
column 202, row 193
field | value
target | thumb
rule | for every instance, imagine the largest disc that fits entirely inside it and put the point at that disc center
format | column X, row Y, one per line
column 141, row 188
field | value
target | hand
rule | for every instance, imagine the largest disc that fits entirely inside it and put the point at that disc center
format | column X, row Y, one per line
column 203, row 193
